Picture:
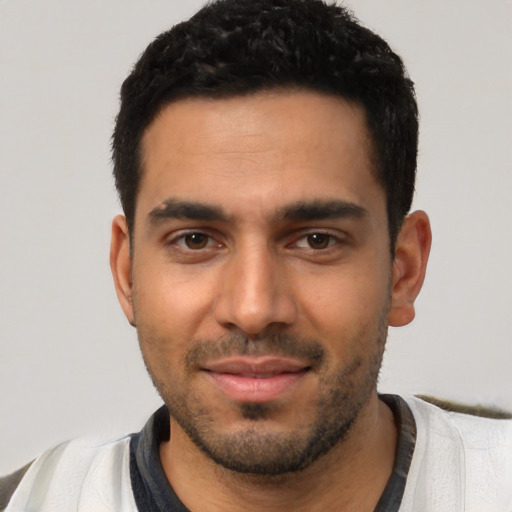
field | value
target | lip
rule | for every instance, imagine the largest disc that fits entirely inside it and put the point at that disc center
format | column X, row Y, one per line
column 256, row 379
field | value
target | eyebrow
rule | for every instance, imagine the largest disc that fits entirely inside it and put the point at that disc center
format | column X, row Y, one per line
column 177, row 209
column 323, row 209
column 319, row 209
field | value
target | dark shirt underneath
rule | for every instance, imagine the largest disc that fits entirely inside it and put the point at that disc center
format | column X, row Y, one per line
column 153, row 493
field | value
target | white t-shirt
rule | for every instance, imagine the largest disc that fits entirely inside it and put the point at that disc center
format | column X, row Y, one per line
column 460, row 463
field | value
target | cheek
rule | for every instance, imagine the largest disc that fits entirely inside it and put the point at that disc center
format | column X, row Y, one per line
column 171, row 309
column 347, row 309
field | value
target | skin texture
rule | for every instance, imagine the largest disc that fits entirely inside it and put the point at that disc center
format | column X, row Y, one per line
column 261, row 236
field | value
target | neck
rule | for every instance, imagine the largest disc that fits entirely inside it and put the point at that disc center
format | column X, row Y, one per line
column 350, row 477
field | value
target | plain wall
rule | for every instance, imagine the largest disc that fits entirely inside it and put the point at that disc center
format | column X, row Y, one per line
column 69, row 362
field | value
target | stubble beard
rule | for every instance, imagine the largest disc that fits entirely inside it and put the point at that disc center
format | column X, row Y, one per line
column 342, row 396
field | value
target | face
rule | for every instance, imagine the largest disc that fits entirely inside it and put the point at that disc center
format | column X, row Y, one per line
column 260, row 276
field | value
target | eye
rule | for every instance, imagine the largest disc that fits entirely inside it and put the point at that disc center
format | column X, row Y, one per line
column 194, row 241
column 316, row 241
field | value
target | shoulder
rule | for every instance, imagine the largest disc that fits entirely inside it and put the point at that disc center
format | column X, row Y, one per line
column 469, row 426
column 461, row 460
column 473, row 410
column 82, row 474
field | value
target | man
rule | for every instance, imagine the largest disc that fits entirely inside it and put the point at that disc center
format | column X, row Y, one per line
column 265, row 156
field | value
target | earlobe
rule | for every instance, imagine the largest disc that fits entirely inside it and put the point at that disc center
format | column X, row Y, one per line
column 409, row 267
column 121, row 265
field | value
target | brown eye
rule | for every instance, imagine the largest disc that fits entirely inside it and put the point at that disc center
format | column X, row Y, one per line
column 196, row 240
column 319, row 241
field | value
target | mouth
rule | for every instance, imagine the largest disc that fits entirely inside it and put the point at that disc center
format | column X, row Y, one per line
column 256, row 379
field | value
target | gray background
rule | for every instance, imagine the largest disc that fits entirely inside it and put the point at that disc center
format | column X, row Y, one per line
column 69, row 363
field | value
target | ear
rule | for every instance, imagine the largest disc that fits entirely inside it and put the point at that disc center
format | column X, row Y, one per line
column 409, row 266
column 121, row 265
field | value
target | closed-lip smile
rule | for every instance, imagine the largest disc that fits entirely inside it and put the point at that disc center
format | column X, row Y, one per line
column 255, row 379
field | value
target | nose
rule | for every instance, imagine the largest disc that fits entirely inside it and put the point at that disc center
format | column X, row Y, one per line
column 255, row 295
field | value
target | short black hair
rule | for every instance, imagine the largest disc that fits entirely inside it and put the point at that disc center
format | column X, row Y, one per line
column 238, row 47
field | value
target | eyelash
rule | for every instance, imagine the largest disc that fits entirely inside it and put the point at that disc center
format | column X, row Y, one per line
column 180, row 241
column 327, row 241
column 332, row 240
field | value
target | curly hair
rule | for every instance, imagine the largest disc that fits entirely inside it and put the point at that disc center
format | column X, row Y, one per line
column 235, row 47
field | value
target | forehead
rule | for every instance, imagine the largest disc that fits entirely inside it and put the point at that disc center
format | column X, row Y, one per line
column 263, row 149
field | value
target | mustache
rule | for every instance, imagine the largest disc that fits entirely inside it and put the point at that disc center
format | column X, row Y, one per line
column 238, row 344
